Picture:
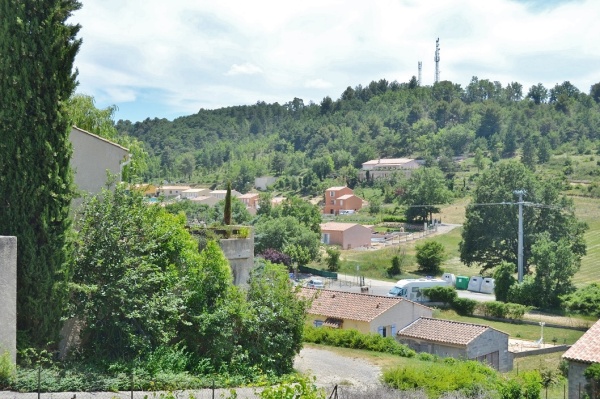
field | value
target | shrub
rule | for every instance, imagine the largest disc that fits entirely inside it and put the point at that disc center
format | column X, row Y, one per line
column 585, row 300
column 430, row 256
column 7, row 371
column 494, row 309
column 443, row 294
column 356, row 340
column 464, row 306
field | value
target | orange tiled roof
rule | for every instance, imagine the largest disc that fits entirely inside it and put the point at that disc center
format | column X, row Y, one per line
column 348, row 305
column 443, row 331
column 587, row 348
column 336, row 188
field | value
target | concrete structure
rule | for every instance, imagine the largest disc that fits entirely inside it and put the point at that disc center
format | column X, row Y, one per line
column 220, row 194
column 341, row 198
column 8, row 296
column 195, row 193
column 363, row 312
column 447, row 338
column 263, row 182
column 346, row 235
column 94, row 156
column 171, row 191
column 581, row 355
column 240, row 253
column 382, row 168
column 251, row 202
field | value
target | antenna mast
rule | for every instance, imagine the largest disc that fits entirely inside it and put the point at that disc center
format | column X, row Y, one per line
column 437, row 60
column 420, row 69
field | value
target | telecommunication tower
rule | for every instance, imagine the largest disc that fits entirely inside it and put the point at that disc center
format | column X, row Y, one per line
column 437, row 60
column 420, row 69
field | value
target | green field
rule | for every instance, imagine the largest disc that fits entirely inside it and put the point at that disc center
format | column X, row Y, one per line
column 373, row 263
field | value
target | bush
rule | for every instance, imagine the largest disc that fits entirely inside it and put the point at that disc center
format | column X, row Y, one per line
column 7, row 371
column 585, row 300
column 356, row 340
column 447, row 295
column 430, row 256
column 464, row 306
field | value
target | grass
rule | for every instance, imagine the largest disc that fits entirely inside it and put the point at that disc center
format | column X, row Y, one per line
column 588, row 210
column 517, row 330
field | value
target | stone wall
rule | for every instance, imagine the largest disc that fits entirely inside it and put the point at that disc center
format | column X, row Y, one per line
column 240, row 253
column 8, row 296
column 577, row 381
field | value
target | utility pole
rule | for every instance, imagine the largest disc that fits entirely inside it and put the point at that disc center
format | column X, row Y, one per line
column 420, row 68
column 437, row 60
column 520, row 193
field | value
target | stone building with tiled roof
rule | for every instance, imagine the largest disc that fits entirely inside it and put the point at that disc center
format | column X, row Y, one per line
column 447, row 338
column 583, row 353
column 363, row 312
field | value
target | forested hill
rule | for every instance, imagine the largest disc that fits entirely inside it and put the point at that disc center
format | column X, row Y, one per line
column 381, row 119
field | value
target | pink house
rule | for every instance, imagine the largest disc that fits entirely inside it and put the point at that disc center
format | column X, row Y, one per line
column 251, row 202
column 346, row 235
column 341, row 199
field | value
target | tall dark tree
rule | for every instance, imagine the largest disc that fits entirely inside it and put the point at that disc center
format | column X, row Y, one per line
column 490, row 232
column 38, row 48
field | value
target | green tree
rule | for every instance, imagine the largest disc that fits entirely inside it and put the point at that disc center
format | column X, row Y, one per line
column 528, row 157
column 538, row 93
column 227, row 210
column 430, row 256
column 503, row 280
column 272, row 334
column 585, row 300
column 286, row 234
column 38, row 48
column 544, row 150
column 479, row 159
column 555, row 265
column 128, row 262
column 333, row 259
column 424, row 191
column 187, row 165
column 489, row 235
column 305, row 212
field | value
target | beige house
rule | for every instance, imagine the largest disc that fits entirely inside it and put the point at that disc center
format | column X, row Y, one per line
column 363, row 312
column 171, row 191
column 205, row 199
column 194, row 193
column 446, row 338
column 346, row 235
column 382, row 168
column 94, row 156
column 581, row 355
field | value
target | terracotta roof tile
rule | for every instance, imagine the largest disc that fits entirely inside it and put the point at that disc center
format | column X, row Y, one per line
column 336, row 226
column 348, row 305
column 443, row 331
column 587, row 348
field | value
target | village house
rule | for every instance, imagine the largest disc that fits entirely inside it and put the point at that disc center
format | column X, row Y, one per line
column 171, row 191
column 581, row 355
column 94, row 156
column 205, row 200
column 365, row 313
column 346, row 235
column 341, row 199
column 446, row 338
column 195, row 193
column 251, row 202
column 383, row 168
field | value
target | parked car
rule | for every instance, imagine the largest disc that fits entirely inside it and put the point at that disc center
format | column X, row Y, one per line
column 314, row 283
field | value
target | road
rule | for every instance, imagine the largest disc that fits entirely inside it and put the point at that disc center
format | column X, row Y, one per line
column 379, row 287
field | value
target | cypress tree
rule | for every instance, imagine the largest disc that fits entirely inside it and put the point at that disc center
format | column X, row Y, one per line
column 227, row 210
column 37, row 51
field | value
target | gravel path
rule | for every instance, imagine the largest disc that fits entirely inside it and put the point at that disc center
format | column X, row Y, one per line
column 330, row 369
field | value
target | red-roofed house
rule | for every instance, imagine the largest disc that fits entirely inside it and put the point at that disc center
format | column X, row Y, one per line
column 583, row 353
column 447, row 338
column 363, row 312
column 346, row 235
column 341, row 199
column 251, row 202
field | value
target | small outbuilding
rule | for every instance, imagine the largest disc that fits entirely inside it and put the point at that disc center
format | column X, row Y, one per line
column 447, row 338
column 583, row 353
column 346, row 235
column 363, row 312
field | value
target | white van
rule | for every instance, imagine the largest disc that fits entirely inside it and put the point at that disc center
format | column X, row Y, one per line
column 411, row 288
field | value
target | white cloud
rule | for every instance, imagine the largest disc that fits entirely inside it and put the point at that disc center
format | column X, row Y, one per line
column 243, row 69
column 317, row 84
column 189, row 50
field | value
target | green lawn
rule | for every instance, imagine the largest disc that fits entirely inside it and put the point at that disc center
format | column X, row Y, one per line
column 588, row 210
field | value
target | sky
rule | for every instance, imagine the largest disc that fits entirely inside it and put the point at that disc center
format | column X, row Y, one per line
column 166, row 59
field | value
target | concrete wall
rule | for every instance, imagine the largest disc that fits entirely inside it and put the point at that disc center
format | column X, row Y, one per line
column 8, row 296
column 577, row 381
column 92, row 157
column 240, row 253
column 491, row 341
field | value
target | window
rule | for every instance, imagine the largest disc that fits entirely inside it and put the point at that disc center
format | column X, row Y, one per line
column 325, row 238
column 331, row 194
column 318, row 323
